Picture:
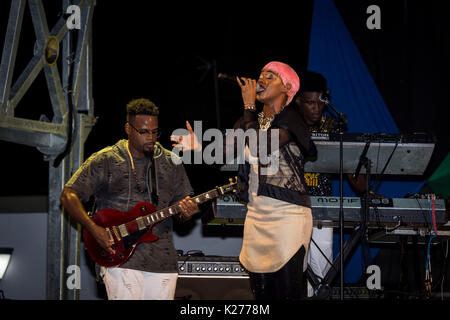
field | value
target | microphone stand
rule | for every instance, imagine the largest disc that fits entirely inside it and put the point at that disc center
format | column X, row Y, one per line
column 365, row 203
column 341, row 124
column 341, row 127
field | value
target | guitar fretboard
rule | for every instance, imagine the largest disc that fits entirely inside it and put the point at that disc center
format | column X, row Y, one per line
column 176, row 209
column 145, row 221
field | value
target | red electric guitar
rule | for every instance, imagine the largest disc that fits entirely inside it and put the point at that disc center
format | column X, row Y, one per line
column 128, row 229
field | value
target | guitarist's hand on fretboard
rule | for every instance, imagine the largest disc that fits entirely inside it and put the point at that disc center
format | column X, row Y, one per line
column 188, row 207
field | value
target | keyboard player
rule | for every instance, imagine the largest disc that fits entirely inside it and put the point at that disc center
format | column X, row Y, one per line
column 312, row 110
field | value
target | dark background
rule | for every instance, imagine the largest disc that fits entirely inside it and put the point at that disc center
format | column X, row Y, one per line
column 409, row 61
column 166, row 53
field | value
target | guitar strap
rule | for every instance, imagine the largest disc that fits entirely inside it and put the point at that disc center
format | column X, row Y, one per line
column 94, row 207
column 154, row 191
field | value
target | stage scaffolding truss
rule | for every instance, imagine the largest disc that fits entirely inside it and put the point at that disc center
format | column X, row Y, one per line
column 61, row 139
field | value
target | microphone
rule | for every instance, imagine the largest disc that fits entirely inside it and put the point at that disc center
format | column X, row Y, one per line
column 232, row 79
column 325, row 98
column 227, row 77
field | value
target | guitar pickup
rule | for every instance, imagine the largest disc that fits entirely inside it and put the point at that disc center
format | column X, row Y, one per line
column 109, row 234
column 123, row 230
column 140, row 223
column 116, row 233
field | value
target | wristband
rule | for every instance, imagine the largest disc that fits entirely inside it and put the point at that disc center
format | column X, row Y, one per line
column 250, row 107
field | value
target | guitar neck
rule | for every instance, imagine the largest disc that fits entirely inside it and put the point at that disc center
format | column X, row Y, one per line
column 144, row 221
column 176, row 209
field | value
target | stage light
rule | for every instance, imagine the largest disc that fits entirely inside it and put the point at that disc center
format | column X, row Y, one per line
column 5, row 257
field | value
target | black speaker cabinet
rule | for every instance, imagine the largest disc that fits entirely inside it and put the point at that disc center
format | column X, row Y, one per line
column 200, row 287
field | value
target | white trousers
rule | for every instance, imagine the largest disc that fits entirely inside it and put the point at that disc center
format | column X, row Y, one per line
column 128, row 284
column 324, row 239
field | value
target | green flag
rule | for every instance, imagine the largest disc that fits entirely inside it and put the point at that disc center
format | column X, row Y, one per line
column 439, row 182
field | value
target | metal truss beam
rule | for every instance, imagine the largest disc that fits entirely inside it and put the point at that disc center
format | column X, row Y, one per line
column 81, row 53
column 9, row 51
column 50, row 137
column 33, row 133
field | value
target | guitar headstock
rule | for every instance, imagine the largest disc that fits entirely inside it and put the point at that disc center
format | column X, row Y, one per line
column 230, row 187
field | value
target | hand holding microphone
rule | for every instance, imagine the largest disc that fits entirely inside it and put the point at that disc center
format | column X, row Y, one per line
column 248, row 89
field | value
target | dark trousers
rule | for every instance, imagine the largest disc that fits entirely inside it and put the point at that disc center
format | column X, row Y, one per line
column 288, row 283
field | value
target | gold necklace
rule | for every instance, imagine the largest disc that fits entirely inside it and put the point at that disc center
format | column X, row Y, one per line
column 265, row 122
column 138, row 185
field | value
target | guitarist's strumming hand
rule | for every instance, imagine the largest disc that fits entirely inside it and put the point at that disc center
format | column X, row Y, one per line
column 102, row 237
column 72, row 204
column 188, row 207
column 189, row 142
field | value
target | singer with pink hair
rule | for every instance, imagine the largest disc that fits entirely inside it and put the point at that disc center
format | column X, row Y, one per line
column 278, row 224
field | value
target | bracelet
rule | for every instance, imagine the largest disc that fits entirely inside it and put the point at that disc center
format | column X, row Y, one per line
column 249, row 106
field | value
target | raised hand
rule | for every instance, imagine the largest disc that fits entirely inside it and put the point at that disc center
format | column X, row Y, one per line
column 189, row 142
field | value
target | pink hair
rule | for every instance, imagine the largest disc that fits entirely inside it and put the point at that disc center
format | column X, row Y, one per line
column 287, row 75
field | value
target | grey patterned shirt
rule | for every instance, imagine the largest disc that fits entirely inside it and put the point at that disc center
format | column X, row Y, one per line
column 107, row 176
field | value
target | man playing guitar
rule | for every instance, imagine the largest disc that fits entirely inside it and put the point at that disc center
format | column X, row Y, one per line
column 119, row 177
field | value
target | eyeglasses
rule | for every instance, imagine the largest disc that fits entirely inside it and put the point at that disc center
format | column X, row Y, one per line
column 154, row 132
